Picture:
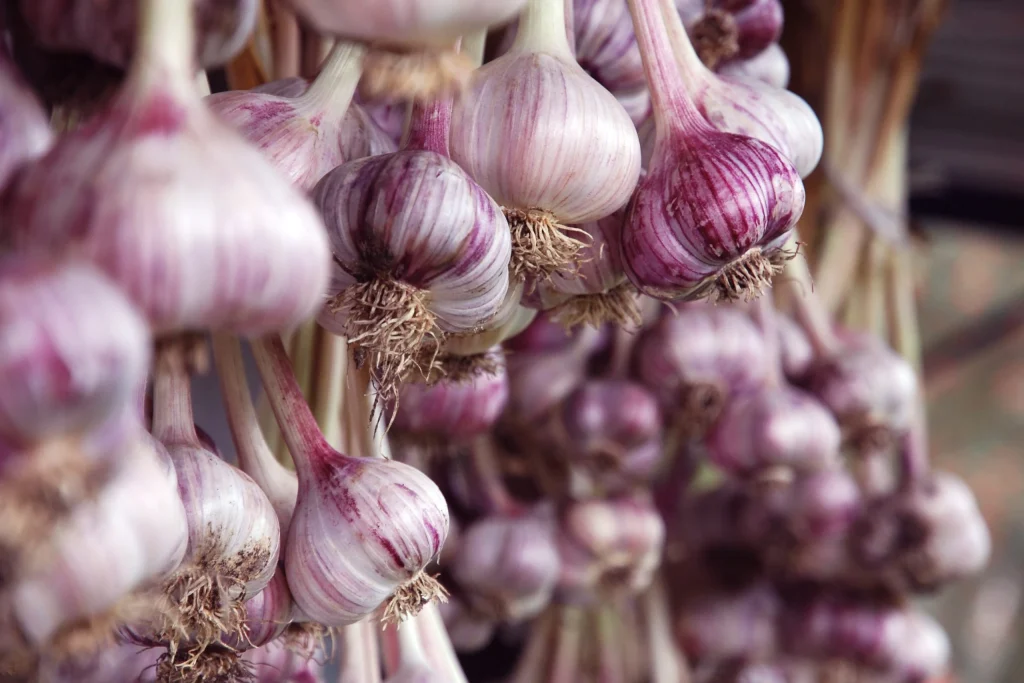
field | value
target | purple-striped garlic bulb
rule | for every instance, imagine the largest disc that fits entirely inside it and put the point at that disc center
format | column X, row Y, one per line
column 420, row 250
column 302, row 135
column 267, row 615
column 24, row 129
column 73, row 350
column 234, row 533
column 454, row 407
column 566, row 153
column 729, row 30
column 510, row 320
column 143, row 195
column 771, row 66
column 507, row 565
column 612, row 430
column 713, row 213
column 106, row 29
column 364, row 529
column 105, row 549
column 593, row 290
column 608, row 547
column 695, row 359
column 719, row 625
column 899, row 642
column 773, row 427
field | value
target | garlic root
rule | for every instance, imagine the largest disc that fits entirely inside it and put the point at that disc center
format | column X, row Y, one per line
column 540, row 244
column 413, row 596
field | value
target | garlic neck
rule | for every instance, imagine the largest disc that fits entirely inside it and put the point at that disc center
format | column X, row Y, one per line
column 542, row 29
column 173, row 422
column 166, row 45
column 331, row 91
column 430, row 126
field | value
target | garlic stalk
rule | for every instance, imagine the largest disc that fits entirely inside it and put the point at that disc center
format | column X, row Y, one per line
column 300, row 136
column 143, row 196
column 364, row 529
column 280, row 484
column 420, row 250
column 24, row 130
column 565, row 153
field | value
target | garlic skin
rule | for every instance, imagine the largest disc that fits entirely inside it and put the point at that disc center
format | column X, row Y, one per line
column 73, row 350
column 729, row 30
column 459, row 408
column 142, row 196
column 406, row 22
column 581, row 169
column 25, row 132
column 508, row 566
column 771, row 66
column 509, row 321
column 393, row 521
column 106, row 30
column 694, row 359
column 772, row 427
column 301, row 136
column 278, row 662
column 267, row 615
column 106, row 548
column 468, row 631
column 608, row 547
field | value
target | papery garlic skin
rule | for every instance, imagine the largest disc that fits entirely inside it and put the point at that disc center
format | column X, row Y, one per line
column 361, row 529
column 406, row 22
column 444, row 237
column 25, row 132
column 233, row 529
column 73, row 350
column 508, row 321
column 106, row 548
column 580, row 169
column 106, row 29
column 142, row 195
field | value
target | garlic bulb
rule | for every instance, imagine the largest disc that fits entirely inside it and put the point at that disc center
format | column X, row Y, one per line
column 454, row 408
column 774, row 426
column 717, row 626
column 73, row 351
column 279, row 662
column 301, row 136
column 363, row 528
column 607, row 548
column 24, row 129
column 565, row 153
column 105, row 29
column 267, row 615
column 729, row 30
column 593, row 291
column 508, row 565
column 510, row 320
column 696, row 358
column 406, row 22
column 142, row 194
column 234, row 534
column 771, row 66
column 420, row 250
column 106, row 548
column 712, row 215
column 361, row 134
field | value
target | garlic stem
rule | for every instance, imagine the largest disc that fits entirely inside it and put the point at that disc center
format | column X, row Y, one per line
column 671, row 102
column 530, row 667
column 254, row 455
column 809, row 310
column 173, row 422
column 612, row 668
column 438, row 645
column 359, row 654
column 331, row 91
column 667, row 662
column 301, row 433
column 430, row 126
column 165, row 44
column 565, row 660
column 766, row 317
column 542, row 29
column 487, row 475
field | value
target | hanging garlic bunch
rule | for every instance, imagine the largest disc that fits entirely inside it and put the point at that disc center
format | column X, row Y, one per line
column 364, row 529
column 234, row 534
column 420, row 250
column 105, row 29
column 302, row 135
column 188, row 219
column 24, row 130
column 566, row 153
